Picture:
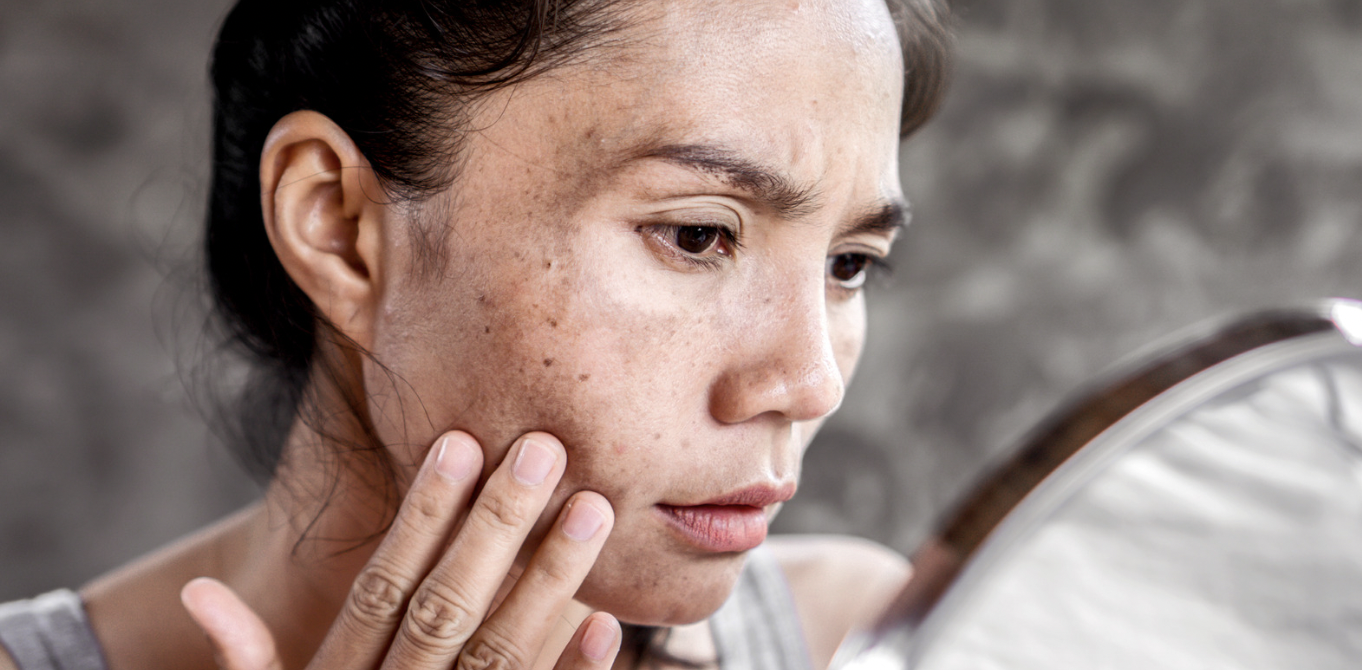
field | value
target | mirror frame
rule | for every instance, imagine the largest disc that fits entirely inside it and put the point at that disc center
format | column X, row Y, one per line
column 1076, row 440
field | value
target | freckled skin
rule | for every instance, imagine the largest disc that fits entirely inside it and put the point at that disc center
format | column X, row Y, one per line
column 667, row 383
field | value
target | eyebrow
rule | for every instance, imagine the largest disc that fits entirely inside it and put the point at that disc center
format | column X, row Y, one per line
column 886, row 219
column 766, row 186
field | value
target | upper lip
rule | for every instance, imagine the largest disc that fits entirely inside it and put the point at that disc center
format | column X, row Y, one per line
column 757, row 495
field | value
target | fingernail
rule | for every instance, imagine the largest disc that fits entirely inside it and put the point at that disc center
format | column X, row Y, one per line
column 582, row 522
column 534, row 463
column 597, row 640
column 456, row 459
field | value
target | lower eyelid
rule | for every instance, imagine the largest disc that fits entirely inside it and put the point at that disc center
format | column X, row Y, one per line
column 659, row 234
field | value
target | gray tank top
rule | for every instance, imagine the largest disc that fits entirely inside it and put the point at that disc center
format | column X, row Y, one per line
column 50, row 632
column 756, row 629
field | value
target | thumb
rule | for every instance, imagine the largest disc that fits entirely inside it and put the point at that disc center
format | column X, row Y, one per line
column 240, row 640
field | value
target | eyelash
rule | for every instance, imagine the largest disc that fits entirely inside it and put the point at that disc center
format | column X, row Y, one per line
column 728, row 243
column 874, row 268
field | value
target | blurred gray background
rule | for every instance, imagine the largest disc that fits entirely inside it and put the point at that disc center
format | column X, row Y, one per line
column 1104, row 172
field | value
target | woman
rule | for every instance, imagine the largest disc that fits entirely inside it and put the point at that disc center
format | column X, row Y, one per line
column 547, row 299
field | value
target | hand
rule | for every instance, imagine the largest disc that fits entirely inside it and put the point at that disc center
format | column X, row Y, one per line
column 422, row 600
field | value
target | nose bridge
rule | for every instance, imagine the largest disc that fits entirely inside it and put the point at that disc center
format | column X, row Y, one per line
column 786, row 362
column 808, row 349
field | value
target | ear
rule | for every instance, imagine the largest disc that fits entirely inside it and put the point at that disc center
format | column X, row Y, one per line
column 324, row 212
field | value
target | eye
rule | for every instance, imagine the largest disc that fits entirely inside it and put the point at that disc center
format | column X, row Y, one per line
column 704, row 236
column 692, row 244
column 849, row 270
column 697, row 239
column 697, row 243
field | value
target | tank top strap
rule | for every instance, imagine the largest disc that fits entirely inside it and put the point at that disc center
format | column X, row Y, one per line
column 50, row 632
column 757, row 628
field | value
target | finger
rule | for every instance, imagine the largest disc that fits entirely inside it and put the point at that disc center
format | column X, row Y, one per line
column 514, row 635
column 419, row 534
column 240, row 640
column 594, row 646
column 454, row 598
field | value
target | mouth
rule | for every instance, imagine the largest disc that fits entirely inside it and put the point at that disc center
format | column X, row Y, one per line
column 733, row 522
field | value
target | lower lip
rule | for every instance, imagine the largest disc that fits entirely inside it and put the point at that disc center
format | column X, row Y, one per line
column 718, row 528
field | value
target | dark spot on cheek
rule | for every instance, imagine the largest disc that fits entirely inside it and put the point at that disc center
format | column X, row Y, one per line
column 583, row 377
column 548, row 362
column 486, row 329
column 657, row 436
column 548, row 265
column 553, row 323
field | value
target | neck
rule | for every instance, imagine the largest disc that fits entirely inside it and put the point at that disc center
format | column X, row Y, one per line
column 301, row 548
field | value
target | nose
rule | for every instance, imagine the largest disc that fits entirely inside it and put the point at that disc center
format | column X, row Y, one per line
column 783, row 362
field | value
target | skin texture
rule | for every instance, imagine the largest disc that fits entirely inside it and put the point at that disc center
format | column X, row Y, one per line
column 546, row 291
column 667, row 382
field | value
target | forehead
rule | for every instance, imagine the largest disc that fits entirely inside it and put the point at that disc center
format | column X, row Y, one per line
column 761, row 34
column 811, row 86
column 824, row 61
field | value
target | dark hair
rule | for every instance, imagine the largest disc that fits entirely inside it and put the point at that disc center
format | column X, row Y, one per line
column 924, row 29
column 398, row 77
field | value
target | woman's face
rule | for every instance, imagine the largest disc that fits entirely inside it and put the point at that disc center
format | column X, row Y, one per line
column 654, row 255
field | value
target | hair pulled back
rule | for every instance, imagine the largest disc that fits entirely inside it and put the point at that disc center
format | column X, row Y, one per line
column 398, row 76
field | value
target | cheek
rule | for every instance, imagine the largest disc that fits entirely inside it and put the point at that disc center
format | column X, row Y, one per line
column 567, row 344
column 612, row 377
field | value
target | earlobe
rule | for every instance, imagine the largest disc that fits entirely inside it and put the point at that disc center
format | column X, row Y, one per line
column 323, row 213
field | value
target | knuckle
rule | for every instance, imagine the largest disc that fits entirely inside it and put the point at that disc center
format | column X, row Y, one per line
column 504, row 513
column 437, row 620
column 426, row 508
column 557, row 571
column 377, row 597
column 490, row 652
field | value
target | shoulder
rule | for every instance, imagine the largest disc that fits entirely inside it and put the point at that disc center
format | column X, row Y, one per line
column 839, row 584
column 136, row 612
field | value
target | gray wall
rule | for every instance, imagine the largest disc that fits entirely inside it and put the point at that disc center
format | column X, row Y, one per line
column 1104, row 173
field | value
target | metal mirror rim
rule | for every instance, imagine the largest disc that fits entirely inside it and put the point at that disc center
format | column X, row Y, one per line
column 1134, row 397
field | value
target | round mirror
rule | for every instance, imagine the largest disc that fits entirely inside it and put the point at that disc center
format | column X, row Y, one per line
column 1201, row 509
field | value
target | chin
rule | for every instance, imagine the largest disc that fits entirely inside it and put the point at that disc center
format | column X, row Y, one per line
column 661, row 589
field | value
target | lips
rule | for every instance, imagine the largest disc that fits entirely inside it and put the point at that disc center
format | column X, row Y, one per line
column 755, row 496
column 732, row 522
